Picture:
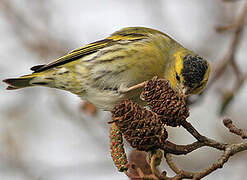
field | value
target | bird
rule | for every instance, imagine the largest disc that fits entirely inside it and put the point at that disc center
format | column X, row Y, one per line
column 111, row 70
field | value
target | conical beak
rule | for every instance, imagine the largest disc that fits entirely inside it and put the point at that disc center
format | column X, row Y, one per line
column 186, row 91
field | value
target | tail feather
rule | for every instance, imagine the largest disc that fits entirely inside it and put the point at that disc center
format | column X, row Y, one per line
column 16, row 83
column 25, row 81
column 37, row 67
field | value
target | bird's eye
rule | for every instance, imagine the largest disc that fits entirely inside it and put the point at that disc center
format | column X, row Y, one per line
column 177, row 77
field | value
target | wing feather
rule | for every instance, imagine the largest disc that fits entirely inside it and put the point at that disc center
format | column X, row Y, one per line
column 124, row 35
column 75, row 54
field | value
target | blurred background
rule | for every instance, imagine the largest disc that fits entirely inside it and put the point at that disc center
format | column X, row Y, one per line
column 48, row 134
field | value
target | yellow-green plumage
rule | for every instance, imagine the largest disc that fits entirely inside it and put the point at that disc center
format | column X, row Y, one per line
column 96, row 72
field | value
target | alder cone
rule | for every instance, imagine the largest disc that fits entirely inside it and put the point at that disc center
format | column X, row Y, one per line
column 164, row 101
column 139, row 126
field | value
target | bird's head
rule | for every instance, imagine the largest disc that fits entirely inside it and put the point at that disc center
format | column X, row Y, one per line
column 191, row 73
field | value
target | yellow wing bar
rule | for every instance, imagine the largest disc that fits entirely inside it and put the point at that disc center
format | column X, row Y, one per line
column 91, row 48
column 74, row 55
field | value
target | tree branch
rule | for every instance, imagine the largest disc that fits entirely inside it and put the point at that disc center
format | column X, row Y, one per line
column 170, row 148
column 233, row 129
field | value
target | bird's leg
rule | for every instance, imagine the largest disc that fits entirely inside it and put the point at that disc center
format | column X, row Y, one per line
column 123, row 90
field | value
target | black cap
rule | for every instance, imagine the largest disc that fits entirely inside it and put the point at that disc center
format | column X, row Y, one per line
column 194, row 69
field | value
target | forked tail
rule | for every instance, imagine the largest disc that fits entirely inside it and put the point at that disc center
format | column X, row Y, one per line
column 25, row 81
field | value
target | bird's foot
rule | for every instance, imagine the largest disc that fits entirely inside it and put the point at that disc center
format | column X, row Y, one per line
column 123, row 90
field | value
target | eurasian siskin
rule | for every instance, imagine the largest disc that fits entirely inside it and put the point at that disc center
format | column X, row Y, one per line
column 104, row 71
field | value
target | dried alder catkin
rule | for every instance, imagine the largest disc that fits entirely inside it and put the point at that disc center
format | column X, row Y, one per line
column 164, row 101
column 140, row 127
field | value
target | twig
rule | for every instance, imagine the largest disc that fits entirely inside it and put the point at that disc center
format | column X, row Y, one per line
column 229, row 95
column 239, row 23
column 206, row 141
column 233, row 129
column 224, row 28
column 155, row 161
column 170, row 147
column 228, row 151
column 237, row 27
column 236, row 70
column 44, row 44
column 180, row 173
